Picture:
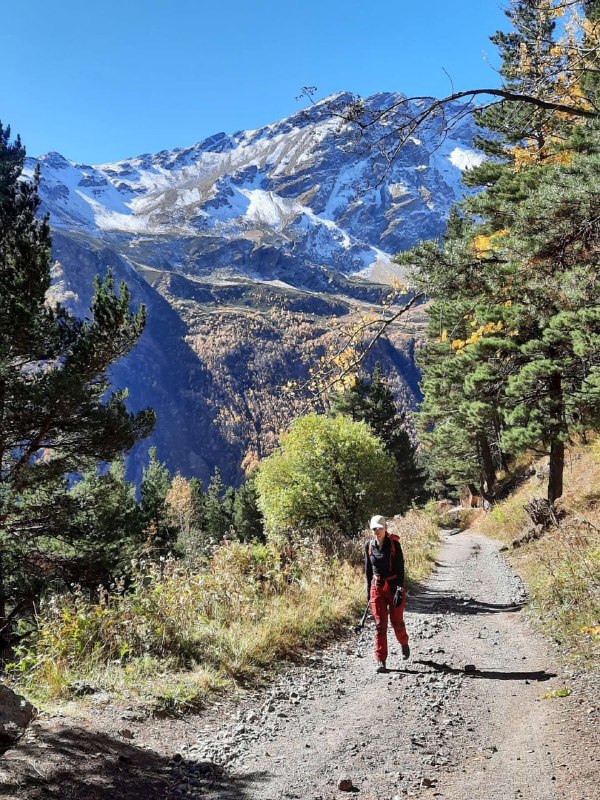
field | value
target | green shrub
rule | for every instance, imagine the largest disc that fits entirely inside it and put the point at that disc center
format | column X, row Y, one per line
column 327, row 475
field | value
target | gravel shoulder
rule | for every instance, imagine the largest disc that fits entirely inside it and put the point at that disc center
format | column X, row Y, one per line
column 464, row 718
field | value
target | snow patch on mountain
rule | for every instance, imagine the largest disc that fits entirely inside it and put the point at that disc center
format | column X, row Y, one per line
column 465, row 159
column 267, row 208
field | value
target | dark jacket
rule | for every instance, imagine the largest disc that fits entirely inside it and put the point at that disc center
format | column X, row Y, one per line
column 380, row 563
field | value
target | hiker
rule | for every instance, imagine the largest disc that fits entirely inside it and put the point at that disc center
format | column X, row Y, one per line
column 384, row 571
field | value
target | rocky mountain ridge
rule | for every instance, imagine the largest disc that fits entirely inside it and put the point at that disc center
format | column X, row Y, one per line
column 259, row 237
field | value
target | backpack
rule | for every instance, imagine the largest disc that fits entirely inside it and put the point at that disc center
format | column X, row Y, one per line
column 393, row 537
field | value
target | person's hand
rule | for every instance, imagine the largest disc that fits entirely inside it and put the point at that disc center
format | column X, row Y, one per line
column 398, row 597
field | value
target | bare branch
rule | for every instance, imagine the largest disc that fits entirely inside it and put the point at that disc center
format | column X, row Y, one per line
column 377, row 327
column 434, row 105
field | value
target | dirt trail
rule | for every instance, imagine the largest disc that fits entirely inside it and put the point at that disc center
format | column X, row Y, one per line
column 463, row 719
column 428, row 727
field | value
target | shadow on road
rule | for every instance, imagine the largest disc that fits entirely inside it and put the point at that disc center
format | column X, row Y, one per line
column 425, row 600
column 492, row 675
column 75, row 763
column 234, row 787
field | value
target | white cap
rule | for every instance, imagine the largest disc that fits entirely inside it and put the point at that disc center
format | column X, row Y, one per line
column 377, row 522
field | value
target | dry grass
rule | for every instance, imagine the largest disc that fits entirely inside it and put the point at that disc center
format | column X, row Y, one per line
column 561, row 569
column 178, row 635
column 420, row 537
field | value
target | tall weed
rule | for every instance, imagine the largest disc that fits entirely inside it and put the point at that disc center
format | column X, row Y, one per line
column 252, row 605
column 179, row 632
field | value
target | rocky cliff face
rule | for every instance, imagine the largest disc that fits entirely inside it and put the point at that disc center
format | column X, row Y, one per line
column 244, row 247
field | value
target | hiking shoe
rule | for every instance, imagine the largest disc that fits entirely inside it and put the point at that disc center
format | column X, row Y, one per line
column 405, row 651
column 380, row 666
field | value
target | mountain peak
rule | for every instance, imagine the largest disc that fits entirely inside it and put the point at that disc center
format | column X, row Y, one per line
column 54, row 160
column 302, row 184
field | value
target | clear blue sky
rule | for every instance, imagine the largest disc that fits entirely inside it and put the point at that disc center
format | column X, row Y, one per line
column 100, row 80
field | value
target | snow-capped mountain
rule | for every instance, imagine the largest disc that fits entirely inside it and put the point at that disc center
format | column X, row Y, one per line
column 305, row 189
column 303, row 204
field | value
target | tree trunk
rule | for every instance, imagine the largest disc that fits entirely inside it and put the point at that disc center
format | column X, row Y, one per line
column 501, row 454
column 3, row 620
column 557, row 446
column 504, row 460
column 488, row 482
column 557, row 465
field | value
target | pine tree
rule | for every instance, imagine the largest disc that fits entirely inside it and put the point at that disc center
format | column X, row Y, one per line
column 216, row 523
column 532, row 65
column 552, row 389
column 227, row 508
column 589, row 80
column 155, row 486
column 459, row 428
column 247, row 518
column 104, row 528
column 390, row 425
column 197, row 521
column 373, row 402
column 56, row 418
column 352, row 401
column 519, row 363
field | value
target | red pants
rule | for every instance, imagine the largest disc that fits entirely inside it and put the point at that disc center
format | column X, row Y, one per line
column 382, row 599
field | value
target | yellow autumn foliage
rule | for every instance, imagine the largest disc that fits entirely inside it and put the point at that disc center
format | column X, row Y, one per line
column 484, row 246
column 483, row 330
column 180, row 502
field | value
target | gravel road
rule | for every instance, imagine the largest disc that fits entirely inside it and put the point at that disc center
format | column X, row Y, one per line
column 463, row 719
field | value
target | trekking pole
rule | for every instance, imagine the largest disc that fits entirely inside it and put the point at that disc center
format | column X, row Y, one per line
column 358, row 628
